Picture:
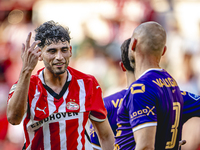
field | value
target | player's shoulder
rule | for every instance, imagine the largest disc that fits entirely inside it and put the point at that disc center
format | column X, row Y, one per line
column 146, row 78
column 113, row 101
column 140, row 86
column 119, row 94
column 142, row 90
column 154, row 79
column 35, row 77
column 188, row 96
column 79, row 75
column 154, row 73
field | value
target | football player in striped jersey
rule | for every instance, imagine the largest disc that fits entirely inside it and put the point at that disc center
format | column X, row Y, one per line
column 56, row 104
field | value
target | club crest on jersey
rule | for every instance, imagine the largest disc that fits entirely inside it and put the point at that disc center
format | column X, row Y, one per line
column 72, row 106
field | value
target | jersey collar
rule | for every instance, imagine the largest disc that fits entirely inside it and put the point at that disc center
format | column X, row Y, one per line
column 151, row 69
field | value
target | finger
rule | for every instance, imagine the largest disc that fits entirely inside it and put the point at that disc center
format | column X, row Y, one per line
column 34, row 45
column 38, row 50
column 23, row 47
column 28, row 41
column 182, row 142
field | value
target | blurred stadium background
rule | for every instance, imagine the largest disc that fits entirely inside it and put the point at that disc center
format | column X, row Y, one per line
column 98, row 28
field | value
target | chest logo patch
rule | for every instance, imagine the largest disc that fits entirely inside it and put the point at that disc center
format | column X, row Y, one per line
column 72, row 106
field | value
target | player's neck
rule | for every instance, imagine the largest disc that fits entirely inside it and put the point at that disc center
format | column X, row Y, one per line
column 55, row 82
column 144, row 65
column 130, row 76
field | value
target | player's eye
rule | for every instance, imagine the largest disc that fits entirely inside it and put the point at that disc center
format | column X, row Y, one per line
column 51, row 51
column 65, row 49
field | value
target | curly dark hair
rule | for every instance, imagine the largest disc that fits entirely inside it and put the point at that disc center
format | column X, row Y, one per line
column 124, row 55
column 51, row 32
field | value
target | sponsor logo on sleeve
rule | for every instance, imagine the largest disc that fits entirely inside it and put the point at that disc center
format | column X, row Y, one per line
column 194, row 96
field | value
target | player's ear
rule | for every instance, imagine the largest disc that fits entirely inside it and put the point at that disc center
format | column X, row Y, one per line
column 70, row 48
column 164, row 50
column 133, row 46
column 122, row 66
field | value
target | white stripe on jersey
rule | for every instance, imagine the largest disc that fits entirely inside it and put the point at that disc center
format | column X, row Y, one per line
column 97, row 147
column 62, row 107
column 41, row 77
column 34, row 101
column 63, row 138
column 47, row 140
column 62, row 124
column 69, row 76
column 81, row 95
column 144, row 125
column 50, row 101
column 80, row 129
column 30, row 135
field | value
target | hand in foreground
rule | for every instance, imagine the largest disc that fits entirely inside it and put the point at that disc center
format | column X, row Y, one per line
column 30, row 54
column 182, row 142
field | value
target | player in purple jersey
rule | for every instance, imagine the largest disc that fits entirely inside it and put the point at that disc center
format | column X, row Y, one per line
column 151, row 112
column 113, row 101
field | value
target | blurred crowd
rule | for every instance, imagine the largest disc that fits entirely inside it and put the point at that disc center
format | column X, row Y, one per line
column 95, row 55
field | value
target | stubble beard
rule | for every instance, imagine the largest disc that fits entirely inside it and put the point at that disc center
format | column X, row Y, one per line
column 56, row 71
column 60, row 71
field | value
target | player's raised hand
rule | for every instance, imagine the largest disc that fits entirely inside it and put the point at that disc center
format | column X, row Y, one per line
column 30, row 54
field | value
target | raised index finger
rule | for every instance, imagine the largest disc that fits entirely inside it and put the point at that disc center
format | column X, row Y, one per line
column 28, row 41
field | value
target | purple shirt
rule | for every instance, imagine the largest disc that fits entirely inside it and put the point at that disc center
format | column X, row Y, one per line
column 112, row 103
column 153, row 100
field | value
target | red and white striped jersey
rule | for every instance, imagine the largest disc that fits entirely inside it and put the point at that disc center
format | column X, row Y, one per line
column 57, row 121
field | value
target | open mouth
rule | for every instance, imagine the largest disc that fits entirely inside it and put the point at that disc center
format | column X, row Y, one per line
column 59, row 64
